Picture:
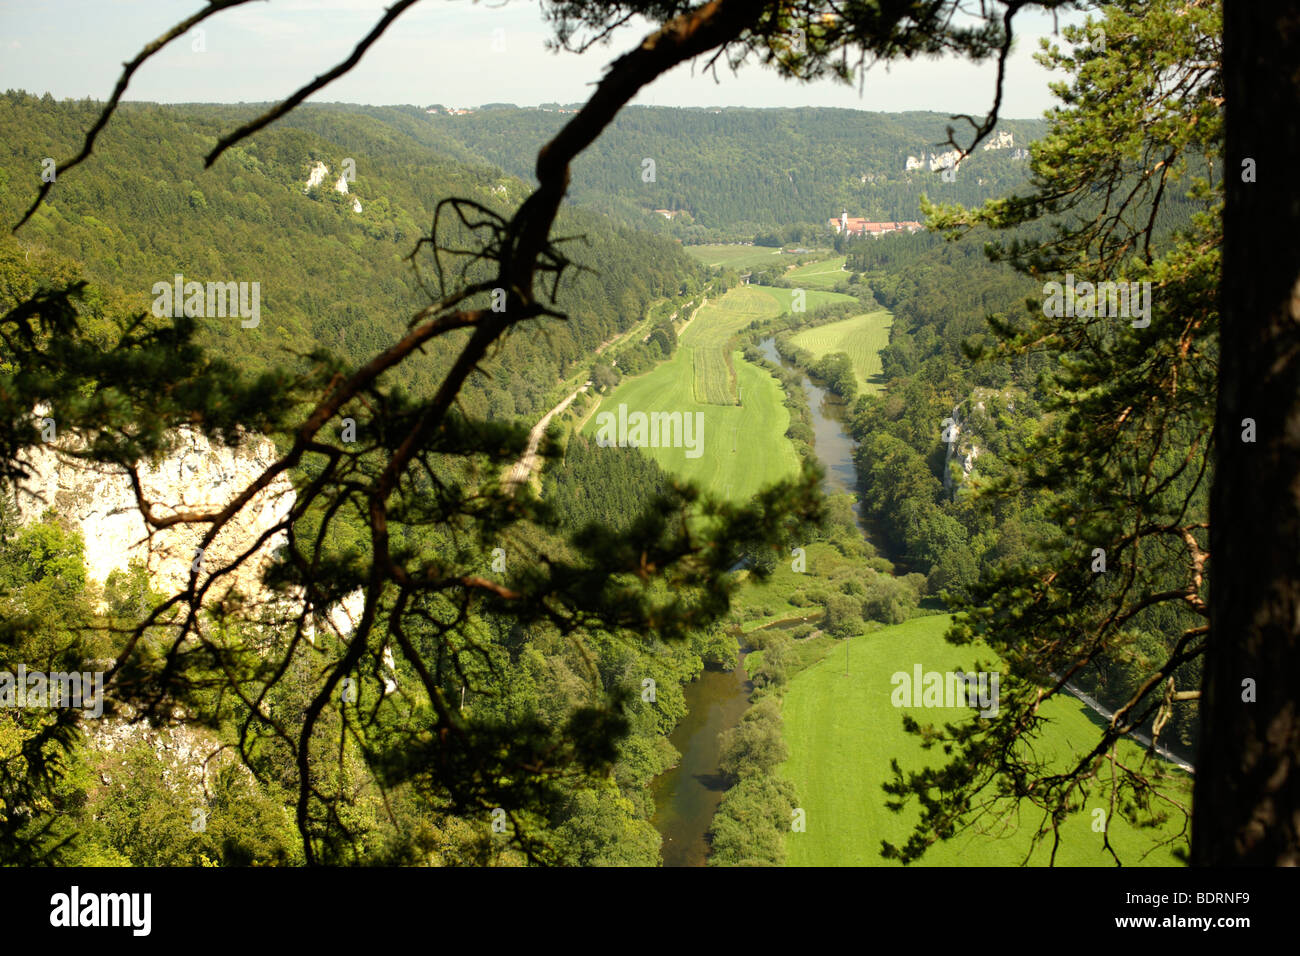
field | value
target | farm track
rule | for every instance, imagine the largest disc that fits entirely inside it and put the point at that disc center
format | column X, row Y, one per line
column 527, row 465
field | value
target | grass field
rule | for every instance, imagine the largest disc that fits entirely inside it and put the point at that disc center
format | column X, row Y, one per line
column 742, row 257
column 819, row 275
column 743, row 446
column 843, row 731
column 708, row 336
column 812, row 297
column 862, row 337
column 712, row 377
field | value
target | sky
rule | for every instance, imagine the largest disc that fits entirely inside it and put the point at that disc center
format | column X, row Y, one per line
column 454, row 52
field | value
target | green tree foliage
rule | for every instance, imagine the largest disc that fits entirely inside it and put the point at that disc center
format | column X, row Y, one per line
column 774, row 176
column 1120, row 462
column 750, row 825
column 754, row 746
column 602, row 486
column 836, row 370
column 332, row 278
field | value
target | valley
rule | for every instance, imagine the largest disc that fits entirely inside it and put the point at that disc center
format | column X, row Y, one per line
column 840, row 727
column 639, row 435
column 759, row 730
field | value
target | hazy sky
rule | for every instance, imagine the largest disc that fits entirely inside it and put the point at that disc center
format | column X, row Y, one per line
column 455, row 52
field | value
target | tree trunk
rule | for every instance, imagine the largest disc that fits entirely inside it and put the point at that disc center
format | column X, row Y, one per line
column 1247, row 791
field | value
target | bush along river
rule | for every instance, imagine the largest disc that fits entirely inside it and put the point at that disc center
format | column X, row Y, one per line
column 687, row 796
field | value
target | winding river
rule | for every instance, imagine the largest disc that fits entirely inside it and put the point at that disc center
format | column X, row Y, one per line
column 687, row 796
column 834, row 444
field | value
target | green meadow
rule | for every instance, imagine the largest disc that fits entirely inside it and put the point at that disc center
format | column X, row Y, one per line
column 709, row 335
column 862, row 337
column 722, row 318
column 812, row 298
column 743, row 257
column 819, row 275
column 742, row 447
column 842, row 732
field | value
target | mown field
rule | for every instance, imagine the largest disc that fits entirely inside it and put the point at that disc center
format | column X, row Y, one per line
column 819, row 275
column 862, row 337
column 743, row 257
column 743, row 447
column 812, row 297
column 708, row 335
column 843, row 731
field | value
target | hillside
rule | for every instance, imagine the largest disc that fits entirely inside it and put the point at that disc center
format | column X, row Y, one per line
column 143, row 209
column 734, row 171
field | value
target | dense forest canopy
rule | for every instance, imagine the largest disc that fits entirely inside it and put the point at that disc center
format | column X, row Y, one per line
column 735, row 171
column 331, row 277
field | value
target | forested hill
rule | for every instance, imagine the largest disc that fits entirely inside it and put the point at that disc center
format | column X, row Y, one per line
column 738, row 172
column 143, row 209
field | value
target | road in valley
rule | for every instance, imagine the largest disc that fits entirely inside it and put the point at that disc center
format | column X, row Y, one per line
column 528, row 462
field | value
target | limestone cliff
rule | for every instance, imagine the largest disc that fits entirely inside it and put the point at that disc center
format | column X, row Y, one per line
column 97, row 500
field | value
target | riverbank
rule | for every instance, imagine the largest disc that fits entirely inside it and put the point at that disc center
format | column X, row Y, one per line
column 687, row 796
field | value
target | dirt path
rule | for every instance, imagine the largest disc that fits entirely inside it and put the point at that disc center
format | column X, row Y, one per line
column 523, row 469
column 692, row 318
column 526, row 466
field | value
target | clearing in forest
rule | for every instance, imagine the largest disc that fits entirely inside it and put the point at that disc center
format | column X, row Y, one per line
column 813, row 298
column 709, row 336
column 743, row 257
column 744, row 446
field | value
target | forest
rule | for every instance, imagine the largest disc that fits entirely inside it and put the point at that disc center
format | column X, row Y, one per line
column 736, row 173
column 1031, row 492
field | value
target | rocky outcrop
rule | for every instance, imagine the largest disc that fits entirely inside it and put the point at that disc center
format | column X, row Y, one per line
column 98, row 501
column 1000, row 140
column 317, row 176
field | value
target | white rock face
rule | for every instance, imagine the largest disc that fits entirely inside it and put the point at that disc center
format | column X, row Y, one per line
column 98, row 501
column 1000, row 140
column 936, row 161
column 198, row 476
column 191, row 756
column 390, row 671
column 944, row 160
column 317, row 176
column 346, row 615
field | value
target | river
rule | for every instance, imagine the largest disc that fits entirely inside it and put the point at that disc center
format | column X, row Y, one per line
column 834, row 445
column 687, row 796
